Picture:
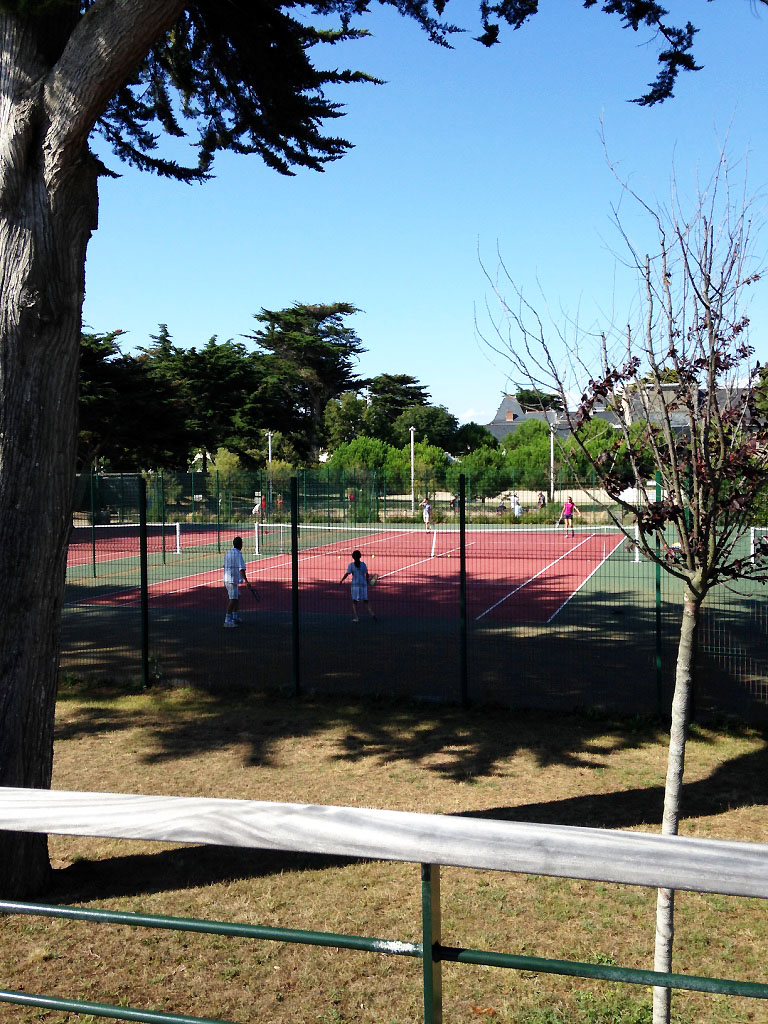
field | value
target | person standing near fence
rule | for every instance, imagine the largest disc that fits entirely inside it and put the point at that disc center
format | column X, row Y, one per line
column 358, row 570
column 234, row 575
column 426, row 512
column 569, row 510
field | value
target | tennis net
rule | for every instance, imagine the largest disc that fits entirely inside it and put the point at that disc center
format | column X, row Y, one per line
column 273, row 539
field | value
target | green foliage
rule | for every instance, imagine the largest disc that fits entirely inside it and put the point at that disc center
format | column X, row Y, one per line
column 389, row 395
column 227, row 466
column 487, row 470
column 308, row 353
column 344, row 418
column 128, row 415
column 240, row 80
column 433, row 423
column 222, row 395
column 528, row 454
column 533, row 400
column 362, row 451
column 470, row 436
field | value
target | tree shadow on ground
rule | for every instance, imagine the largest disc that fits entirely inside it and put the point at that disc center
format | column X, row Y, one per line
column 142, row 874
column 735, row 783
column 739, row 782
column 456, row 744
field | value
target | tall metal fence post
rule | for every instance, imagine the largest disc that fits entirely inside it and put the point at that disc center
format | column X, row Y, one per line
column 659, row 688
column 463, row 663
column 296, row 635
column 144, row 582
column 430, row 937
column 161, row 491
column 93, row 525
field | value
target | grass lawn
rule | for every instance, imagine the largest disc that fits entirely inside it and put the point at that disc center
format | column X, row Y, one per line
column 568, row 769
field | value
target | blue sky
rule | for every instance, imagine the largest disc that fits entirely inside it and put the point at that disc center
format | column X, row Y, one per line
column 461, row 152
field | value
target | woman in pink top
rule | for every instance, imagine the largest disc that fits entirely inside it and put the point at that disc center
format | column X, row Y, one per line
column 569, row 509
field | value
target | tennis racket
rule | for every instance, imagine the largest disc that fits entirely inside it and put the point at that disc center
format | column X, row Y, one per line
column 254, row 591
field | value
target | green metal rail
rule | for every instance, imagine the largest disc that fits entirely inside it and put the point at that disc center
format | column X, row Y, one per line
column 615, row 857
column 431, row 964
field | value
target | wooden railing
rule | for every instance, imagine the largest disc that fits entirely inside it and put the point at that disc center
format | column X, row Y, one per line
column 629, row 858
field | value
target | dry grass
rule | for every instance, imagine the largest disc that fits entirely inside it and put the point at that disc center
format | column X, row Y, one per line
column 539, row 767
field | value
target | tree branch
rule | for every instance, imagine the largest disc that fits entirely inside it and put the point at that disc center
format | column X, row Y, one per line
column 109, row 41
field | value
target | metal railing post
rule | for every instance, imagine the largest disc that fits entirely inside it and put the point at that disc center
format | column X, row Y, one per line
column 430, row 938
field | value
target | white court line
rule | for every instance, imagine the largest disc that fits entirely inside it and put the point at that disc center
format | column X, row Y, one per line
column 583, row 583
column 212, row 576
column 532, row 578
column 402, row 568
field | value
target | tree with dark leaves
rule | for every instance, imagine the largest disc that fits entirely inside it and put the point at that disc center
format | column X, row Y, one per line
column 239, row 75
column 683, row 383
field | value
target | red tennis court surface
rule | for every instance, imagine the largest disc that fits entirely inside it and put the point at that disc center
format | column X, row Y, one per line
column 511, row 576
column 122, row 540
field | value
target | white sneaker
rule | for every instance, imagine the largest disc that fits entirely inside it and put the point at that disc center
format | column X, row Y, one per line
column 230, row 625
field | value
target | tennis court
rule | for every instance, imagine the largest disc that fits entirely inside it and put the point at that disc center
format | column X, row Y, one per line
column 550, row 620
column 515, row 575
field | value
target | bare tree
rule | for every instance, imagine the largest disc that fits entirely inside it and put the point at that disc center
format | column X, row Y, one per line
column 681, row 382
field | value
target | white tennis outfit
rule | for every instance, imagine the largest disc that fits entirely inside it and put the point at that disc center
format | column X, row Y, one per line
column 359, row 574
column 233, row 563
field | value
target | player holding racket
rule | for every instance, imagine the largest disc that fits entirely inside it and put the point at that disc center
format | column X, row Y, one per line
column 358, row 570
column 569, row 510
column 234, row 575
column 426, row 512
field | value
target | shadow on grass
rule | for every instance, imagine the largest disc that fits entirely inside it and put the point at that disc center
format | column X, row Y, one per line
column 733, row 784
column 193, row 867
column 458, row 745
column 462, row 746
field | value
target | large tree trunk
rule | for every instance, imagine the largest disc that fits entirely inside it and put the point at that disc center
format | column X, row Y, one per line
column 59, row 67
column 681, row 711
column 45, row 221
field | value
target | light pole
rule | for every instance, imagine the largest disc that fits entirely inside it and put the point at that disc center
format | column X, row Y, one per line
column 269, row 470
column 551, row 462
column 413, row 497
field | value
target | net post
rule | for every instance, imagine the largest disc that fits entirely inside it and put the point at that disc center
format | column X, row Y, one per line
column 752, row 544
column 256, row 550
column 296, row 637
column 637, row 543
column 178, row 538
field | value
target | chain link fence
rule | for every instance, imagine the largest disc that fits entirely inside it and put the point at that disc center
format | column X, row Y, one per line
column 491, row 601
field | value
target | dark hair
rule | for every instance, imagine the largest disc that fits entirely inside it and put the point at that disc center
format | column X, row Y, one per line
column 237, row 542
column 356, row 556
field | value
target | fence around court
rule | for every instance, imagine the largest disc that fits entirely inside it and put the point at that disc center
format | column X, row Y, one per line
column 433, row 841
column 484, row 607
